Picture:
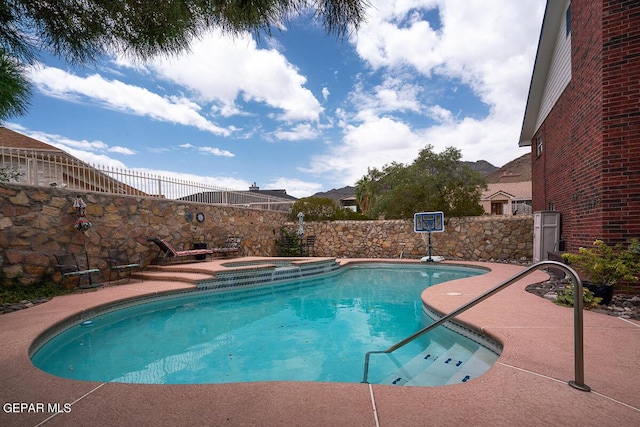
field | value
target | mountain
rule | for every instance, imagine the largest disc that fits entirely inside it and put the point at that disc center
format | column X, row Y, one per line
column 337, row 194
column 482, row 166
column 517, row 170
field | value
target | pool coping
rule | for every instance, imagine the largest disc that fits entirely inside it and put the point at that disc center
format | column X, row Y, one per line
column 527, row 386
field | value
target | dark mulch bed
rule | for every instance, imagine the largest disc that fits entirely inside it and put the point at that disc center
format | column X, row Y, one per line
column 623, row 304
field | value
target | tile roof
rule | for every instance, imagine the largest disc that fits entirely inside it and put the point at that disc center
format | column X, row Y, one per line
column 12, row 139
column 516, row 190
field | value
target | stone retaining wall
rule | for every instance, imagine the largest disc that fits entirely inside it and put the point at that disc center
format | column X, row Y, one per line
column 36, row 223
column 467, row 238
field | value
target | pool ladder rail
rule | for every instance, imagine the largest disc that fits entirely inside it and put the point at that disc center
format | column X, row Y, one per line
column 578, row 330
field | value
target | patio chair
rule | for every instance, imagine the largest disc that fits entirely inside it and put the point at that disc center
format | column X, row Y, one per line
column 232, row 245
column 119, row 263
column 70, row 270
column 310, row 246
column 167, row 251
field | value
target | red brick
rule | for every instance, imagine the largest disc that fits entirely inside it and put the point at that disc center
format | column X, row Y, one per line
column 590, row 165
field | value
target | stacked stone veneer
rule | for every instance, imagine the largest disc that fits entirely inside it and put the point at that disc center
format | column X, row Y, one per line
column 36, row 223
column 468, row 238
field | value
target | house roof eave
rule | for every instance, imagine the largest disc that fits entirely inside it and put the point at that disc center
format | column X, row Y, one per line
column 499, row 193
column 551, row 22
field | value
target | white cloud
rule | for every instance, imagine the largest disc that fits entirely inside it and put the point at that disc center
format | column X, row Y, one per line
column 298, row 132
column 216, row 151
column 87, row 151
column 120, row 96
column 383, row 42
column 121, row 150
column 393, row 94
column 373, row 143
column 208, row 150
column 222, row 70
column 440, row 115
column 487, row 46
column 295, row 187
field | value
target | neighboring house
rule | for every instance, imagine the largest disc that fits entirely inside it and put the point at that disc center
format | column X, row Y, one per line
column 349, row 202
column 41, row 164
column 507, row 198
column 582, row 120
column 345, row 197
column 18, row 153
column 254, row 198
column 271, row 199
column 282, row 194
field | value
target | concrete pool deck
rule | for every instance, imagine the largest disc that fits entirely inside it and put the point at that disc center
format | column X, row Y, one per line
column 526, row 387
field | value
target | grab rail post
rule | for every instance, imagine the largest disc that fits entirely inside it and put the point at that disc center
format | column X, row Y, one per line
column 577, row 383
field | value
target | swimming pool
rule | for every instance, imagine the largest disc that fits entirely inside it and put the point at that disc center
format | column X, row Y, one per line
column 315, row 329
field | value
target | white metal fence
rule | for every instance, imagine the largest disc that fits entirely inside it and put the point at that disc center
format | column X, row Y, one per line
column 51, row 169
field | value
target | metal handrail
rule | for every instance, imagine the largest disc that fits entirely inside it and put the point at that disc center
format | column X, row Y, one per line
column 578, row 383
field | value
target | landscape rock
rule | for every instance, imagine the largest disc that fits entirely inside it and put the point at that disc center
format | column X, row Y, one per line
column 623, row 304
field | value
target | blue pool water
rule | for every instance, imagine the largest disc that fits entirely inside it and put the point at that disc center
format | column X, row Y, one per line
column 315, row 329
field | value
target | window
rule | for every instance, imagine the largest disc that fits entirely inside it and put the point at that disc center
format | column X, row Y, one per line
column 539, row 143
column 567, row 21
column 552, row 206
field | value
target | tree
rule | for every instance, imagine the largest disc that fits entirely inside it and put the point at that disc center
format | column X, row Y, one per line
column 433, row 182
column 321, row 209
column 15, row 89
column 364, row 193
column 82, row 31
column 367, row 188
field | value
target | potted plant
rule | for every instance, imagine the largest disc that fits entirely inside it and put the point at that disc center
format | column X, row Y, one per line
column 604, row 266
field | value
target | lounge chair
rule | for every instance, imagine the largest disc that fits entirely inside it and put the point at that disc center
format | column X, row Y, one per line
column 167, row 251
column 71, row 270
column 119, row 263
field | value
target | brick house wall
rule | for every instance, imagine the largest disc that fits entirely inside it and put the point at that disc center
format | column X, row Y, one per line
column 621, row 120
column 589, row 169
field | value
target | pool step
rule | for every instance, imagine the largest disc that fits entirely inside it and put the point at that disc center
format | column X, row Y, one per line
column 172, row 276
column 438, row 366
column 444, row 368
column 286, row 273
column 478, row 364
column 416, row 365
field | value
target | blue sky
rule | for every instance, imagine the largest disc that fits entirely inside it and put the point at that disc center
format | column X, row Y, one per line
column 301, row 110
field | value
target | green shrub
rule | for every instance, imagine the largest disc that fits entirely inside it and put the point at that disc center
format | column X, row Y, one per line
column 322, row 209
column 289, row 243
column 565, row 298
column 12, row 291
column 607, row 265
